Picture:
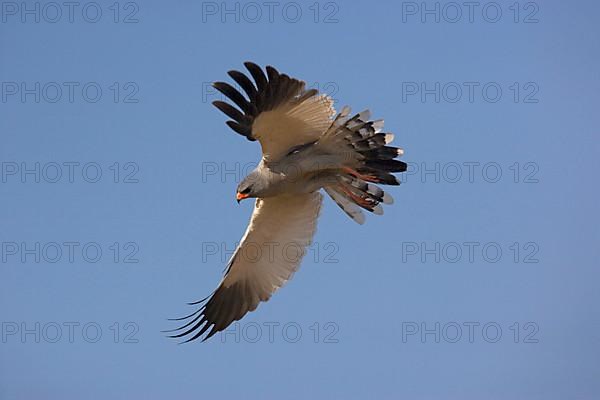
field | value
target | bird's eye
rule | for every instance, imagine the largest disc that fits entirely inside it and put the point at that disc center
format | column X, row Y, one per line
column 245, row 191
column 294, row 151
column 299, row 148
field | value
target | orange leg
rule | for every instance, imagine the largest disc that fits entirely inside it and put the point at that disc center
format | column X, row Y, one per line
column 368, row 178
column 358, row 200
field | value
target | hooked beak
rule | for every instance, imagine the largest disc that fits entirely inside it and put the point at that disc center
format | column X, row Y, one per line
column 239, row 197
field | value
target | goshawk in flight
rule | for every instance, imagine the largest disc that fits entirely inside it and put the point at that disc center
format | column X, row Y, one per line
column 305, row 149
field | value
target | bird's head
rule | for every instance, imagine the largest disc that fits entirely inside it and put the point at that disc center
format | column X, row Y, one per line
column 249, row 187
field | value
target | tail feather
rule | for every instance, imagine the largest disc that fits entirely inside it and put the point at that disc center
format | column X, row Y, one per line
column 367, row 189
column 382, row 153
column 347, row 205
column 386, row 165
column 371, row 160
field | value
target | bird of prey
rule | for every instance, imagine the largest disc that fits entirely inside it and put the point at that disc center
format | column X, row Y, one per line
column 306, row 148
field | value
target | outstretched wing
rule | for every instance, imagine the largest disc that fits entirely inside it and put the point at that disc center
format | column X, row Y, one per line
column 270, row 252
column 278, row 111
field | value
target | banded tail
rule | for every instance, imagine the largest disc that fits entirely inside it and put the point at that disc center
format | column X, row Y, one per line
column 370, row 161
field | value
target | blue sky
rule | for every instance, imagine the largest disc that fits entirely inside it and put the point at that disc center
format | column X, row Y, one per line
column 479, row 282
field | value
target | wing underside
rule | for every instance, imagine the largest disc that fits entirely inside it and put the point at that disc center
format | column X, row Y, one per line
column 267, row 257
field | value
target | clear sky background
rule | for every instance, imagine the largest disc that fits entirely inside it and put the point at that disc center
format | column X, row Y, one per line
column 397, row 308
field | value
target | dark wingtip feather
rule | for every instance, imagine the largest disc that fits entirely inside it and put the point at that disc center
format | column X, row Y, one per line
column 245, row 83
column 234, row 95
column 186, row 317
column 193, row 320
column 230, row 111
column 257, row 73
column 272, row 73
column 243, row 130
column 264, row 94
